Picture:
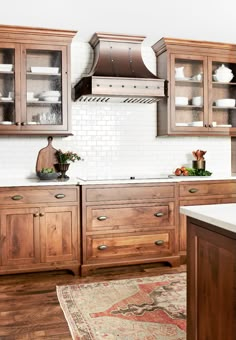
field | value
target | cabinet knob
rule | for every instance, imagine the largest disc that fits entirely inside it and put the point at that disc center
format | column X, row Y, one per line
column 17, row 123
column 205, row 125
column 101, row 218
column 41, row 214
column 36, row 214
column 159, row 214
column 193, row 190
column 23, row 123
column 159, row 242
column 59, row 196
column 102, row 247
column 17, row 197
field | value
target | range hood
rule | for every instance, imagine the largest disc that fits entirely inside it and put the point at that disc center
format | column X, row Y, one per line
column 119, row 74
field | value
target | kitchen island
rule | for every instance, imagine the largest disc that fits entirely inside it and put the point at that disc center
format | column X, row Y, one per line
column 211, row 271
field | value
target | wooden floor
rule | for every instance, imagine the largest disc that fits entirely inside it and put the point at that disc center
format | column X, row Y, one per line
column 29, row 308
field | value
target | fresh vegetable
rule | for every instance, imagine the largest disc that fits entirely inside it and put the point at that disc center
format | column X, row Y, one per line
column 47, row 170
column 191, row 172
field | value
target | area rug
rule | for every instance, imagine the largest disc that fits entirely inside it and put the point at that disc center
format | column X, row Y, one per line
column 136, row 309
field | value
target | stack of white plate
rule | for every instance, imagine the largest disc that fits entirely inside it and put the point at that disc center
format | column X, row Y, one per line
column 6, row 67
column 50, row 96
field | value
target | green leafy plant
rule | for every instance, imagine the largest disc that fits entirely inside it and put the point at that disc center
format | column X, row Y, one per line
column 198, row 172
column 68, row 156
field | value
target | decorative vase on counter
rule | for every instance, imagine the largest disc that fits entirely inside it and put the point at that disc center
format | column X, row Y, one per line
column 199, row 164
column 62, row 168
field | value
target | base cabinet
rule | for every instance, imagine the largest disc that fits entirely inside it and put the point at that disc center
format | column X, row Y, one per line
column 211, row 282
column 199, row 193
column 41, row 237
column 128, row 224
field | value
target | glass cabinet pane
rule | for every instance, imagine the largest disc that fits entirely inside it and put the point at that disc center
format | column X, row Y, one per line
column 44, row 87
column 7, row 86
column 189, row 92
column 223, row 94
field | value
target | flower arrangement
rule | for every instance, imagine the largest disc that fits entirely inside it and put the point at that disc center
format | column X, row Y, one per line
column 65, row 157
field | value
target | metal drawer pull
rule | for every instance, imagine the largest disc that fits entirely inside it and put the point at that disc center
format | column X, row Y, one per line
column 36, row 214
column 41, row 214
column 102, row 247
column 159, row 214
column 60, row 196
column 193, row 190
column 159, row 242
column 101, row 218
column 17, row 197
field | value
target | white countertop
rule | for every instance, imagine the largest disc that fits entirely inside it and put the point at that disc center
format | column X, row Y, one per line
column 14, row 182
column 220, row 215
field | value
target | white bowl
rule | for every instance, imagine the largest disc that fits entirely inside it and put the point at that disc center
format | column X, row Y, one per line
column 37, row 69
column 222, row 78
column 50, row 99
column 198, row 101
column 50, row 94
column 226, row 102
column 181, row 100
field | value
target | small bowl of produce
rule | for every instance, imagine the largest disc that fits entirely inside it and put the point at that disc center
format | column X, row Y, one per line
column 47, row 174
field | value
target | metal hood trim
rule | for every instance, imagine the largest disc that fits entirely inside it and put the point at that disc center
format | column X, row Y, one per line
column 119, row 73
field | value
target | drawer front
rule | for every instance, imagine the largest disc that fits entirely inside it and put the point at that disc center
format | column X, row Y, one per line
column 100, row 248
column 21, row 196
column 126, row 193
column 196, row 189
column 129, row 216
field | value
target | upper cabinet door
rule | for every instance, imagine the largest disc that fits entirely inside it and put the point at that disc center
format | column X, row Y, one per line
column 9, row 86
column 222, row 90
column 189, row 99
column 44, row 93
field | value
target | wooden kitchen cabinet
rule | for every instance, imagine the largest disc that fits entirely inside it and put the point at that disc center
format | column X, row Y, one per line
column 128, row 224
column 200, row 193
column 211, row 282
column 35, row 84
column 39, row 229
column 199, row 61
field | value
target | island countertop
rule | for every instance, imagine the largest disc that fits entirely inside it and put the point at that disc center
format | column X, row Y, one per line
column 220, row 215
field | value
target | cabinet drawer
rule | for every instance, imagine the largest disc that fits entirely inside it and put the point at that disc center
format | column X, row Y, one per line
column 102, row 248
column 50, row 195
column 126, row 193
column 196, row 189
column 130, row 216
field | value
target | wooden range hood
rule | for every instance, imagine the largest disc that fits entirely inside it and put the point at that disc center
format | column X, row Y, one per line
column 119, row 74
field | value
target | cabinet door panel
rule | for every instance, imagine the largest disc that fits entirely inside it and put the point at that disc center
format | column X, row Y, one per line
column 59, row 234
column 20, row 236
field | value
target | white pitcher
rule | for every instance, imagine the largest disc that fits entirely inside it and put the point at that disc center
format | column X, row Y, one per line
column 179, row 72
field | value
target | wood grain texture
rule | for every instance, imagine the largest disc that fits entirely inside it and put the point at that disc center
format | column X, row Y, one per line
column 29, row 308
column 46, row 157
column 211, row 282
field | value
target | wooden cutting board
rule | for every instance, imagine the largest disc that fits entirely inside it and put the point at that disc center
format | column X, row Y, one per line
column 46, row 157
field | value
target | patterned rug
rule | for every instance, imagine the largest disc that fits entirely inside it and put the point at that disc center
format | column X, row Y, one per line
column 147, row 308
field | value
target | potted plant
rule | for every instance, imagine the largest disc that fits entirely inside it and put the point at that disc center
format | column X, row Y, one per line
column 64, row 159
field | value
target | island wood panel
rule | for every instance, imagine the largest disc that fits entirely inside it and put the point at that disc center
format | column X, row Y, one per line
column 211, row 282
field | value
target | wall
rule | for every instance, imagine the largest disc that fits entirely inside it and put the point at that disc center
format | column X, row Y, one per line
column 117, row 140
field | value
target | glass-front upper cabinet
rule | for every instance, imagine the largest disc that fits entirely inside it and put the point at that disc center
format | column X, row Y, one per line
column 44, row 95
column 189, row 99
column 7, row 85
column 222, row 87
column 35, row 84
